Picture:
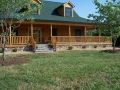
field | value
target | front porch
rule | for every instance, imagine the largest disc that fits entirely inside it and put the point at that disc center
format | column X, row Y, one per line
column 19, row 41
column 59, row 34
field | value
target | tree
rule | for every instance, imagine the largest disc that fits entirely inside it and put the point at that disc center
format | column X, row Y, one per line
column 108, row 18
column 14, row 10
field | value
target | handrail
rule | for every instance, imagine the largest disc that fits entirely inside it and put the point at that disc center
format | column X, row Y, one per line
column 17, row 40
column 20, row 40
column 97, row 39
column 33, row 44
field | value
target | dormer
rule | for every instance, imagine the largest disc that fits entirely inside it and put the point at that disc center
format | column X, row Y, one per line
column 66, row 9
column 36, row 1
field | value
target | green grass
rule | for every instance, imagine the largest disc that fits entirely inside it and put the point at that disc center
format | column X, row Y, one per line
column 69, row 70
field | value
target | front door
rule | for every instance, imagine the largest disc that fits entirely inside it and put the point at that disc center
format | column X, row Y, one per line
column 37, row 35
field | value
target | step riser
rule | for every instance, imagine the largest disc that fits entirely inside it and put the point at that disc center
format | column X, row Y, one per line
column 43, row 48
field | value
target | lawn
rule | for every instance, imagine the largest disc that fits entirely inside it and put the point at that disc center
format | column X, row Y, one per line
column 65, row 70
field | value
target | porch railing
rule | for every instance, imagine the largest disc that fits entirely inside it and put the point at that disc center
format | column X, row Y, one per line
column 17, row 40
column 20, row 40
column 96, row 39
column 33, row 44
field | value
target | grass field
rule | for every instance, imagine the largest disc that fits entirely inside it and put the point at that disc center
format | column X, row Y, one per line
column 69, row 70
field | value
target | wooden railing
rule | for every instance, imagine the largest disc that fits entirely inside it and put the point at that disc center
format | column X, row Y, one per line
column 20, row 40
column 97, row 39
column 33, row 44
column 16, row 40
column 4, row 38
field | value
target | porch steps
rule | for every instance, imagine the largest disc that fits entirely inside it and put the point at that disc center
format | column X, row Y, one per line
column 43, row 48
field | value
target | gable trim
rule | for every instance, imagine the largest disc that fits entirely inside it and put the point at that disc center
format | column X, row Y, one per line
column 69, row 3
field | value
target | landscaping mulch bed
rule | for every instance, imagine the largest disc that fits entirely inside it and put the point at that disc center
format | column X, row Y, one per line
column 13, row 61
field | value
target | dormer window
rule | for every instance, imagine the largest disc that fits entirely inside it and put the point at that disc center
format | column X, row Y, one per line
column 68, row 12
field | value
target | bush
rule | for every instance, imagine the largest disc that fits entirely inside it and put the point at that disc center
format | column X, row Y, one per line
column 83, row 47
column 14, row 49
column 95, row 46
column 104, row 46
column 0, row 50
column 70, row 47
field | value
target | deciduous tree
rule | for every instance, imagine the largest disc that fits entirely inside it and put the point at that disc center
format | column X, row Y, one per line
column 108, row 18
column 14, row 10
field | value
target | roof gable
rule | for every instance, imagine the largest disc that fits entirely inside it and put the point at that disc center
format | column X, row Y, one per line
column 69, row 4
column 38, row 1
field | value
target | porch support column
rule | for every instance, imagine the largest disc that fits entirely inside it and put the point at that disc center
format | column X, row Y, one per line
column 10, row 34
column 32, row 30
column 51, row 31
column 85, row 33
column 69, row 34
column 99, row 35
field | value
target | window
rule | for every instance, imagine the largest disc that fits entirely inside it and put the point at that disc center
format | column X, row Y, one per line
column 78, row 32
column 54, row 32
column 68, row 11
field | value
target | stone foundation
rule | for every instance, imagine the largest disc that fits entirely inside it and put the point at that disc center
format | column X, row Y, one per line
column 65, row 47
column 26, row 48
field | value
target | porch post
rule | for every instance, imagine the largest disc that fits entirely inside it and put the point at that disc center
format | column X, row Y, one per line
column 51, row 30
column 69, row 34
column 85, row 33
column 99, row 35
column 10, row 34
column 32, row 30
column 51, row 33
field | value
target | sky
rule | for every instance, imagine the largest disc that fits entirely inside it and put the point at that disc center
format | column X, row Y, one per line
column 82, row 7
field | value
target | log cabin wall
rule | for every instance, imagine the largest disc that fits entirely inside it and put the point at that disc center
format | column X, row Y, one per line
column 23, row 30
column 62, row 30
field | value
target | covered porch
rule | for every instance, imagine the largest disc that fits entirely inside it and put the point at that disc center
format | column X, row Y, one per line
column 55, row 33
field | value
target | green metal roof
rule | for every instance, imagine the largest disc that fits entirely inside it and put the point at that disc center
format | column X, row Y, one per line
column 48, row 13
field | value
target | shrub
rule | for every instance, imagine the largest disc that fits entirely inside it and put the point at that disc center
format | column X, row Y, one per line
column 83, row 47
column 104, row 46
column 14, row 49
column 95, row 46
column 70, row 47
column 0, row 50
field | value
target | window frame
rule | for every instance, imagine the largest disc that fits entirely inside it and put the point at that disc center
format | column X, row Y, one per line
column 68, row 12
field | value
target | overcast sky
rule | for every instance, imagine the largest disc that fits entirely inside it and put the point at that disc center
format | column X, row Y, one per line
column 82, row 7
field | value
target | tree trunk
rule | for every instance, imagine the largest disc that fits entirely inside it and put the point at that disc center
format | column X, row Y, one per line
column 3, row 48
column 3, row 53
column 114, row 42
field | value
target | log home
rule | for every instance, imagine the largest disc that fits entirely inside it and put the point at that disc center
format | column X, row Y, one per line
column 56, row 23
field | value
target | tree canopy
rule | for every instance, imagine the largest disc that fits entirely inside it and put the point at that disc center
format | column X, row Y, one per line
column 18, row 10
column 108, row 18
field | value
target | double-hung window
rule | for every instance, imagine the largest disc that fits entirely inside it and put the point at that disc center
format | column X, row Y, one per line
column 68, row 11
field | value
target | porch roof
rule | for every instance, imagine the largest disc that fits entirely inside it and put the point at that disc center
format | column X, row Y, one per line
column 49, row 13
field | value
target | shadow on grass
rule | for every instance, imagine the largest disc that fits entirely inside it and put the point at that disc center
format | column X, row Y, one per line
column 111, row 51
